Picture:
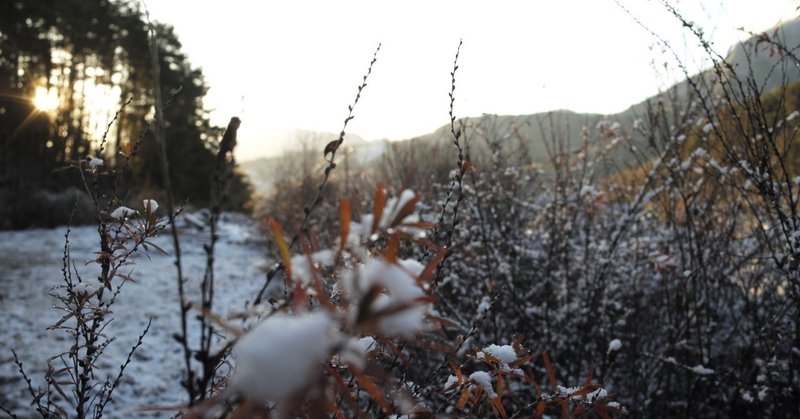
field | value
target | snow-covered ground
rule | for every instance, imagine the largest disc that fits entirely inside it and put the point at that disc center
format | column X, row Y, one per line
column 30, row 265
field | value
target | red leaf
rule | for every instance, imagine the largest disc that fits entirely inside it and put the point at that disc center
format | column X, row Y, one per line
column 463, row 399
column 392, row 249
column 377, row 207
column 499, row 406
column 404, row 212
column 590, row 376
column 344, row 222
column 371, row 388
column 283, row 248
column 551, row 373
column 585, row 390
column 539, row 410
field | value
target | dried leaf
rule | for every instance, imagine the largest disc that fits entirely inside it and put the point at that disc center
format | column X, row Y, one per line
column 282, row 246
column 404, row 212
column 585, row 390
column 378, row 207
column 590, row 376
column 500, row 386
column 344, row 222
column 392, row 249
column 499, row 406
column 371, row 388
column 463, row 399
column 539, row 410
column 430, row 269
column 551, row 373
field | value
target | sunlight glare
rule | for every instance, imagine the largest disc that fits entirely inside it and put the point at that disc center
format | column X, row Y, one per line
column 45, row 100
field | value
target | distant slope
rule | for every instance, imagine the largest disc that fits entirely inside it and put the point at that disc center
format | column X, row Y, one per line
column 304, row 149
column 531, row 134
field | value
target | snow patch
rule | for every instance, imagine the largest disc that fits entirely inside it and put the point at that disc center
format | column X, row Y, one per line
column 614, row 345
column 483, row 379
column 281, row 355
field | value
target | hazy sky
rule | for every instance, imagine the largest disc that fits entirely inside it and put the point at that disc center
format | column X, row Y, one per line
column 281, row 65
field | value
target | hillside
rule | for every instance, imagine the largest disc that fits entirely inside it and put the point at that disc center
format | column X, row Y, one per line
column 527, row 136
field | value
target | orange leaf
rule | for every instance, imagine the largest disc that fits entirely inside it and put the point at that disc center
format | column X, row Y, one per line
column 377, row 207
column 334, row 408
column 282, row 246
column 602, row 414
column 500, row 386
column 429, row 270
column 551, row 373
column 300, row 298
column 564, row 408
column 478, row 392
column 345, row 216
column 319, row 287
column 392, row 248
column 371, row 388
column 442, row 321
column 345, row 392
column 499, row 406
column 457, row 371
column 537, row 387
column 585, row 390
column 521, row 361
column 463, row 399
column 539, row 410
column 604, row 408
column 404, row 212
column 590, row 376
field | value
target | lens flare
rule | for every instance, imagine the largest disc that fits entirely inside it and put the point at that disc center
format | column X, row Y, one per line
column 45, row 100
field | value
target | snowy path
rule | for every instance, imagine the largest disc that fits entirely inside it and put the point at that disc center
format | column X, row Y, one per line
column 30, row 265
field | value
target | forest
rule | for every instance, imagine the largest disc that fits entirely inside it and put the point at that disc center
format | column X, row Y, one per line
column 72, row 53
column 644, row 264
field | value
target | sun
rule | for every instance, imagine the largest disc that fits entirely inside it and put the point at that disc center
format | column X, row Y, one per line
column 45, row 100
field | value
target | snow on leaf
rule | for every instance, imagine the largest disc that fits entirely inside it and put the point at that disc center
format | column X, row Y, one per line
column 483, row 379
column 281, row 355
column 398, row 289
column 451, row 382
column 700, row 369
column 614, row 345
column 503, row 353
column 150, row 205
column 122, row 213
column 95, row 163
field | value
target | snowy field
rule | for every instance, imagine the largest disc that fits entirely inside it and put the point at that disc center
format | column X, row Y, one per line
column 30, row 266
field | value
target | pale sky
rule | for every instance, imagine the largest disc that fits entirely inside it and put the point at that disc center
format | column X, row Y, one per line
column 297, row 64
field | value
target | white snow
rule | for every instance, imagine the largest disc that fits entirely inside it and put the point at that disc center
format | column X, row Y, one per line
column 699, row 369
column 301, row 269
column 401, row 289
column 762, row 394
column 29, row 276
column 505, row 353
column 707, row 128
column 451, row 381
column 281, row 355
column 391, row 211
column 150, row 205
column 700, row 152
column 483, row 379
column 354, row 351
column 95, row 163
column 483, row 307
column 614, row 345
column 600, row 393
column 86, row 289
column 122, row 213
